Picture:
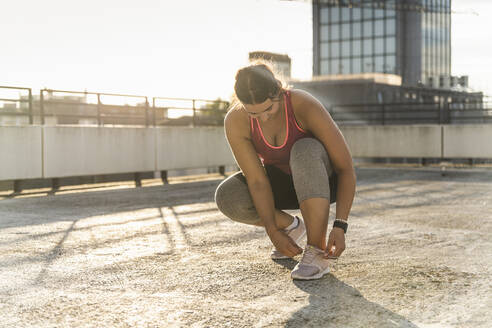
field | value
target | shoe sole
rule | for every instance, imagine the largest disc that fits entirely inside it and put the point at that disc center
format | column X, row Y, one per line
column 316, row 276
column 284, row 257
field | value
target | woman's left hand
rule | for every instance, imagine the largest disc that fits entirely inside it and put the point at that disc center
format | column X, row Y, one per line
column 336, row 243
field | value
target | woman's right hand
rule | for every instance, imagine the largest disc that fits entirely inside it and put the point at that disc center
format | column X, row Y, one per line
column 283, row 243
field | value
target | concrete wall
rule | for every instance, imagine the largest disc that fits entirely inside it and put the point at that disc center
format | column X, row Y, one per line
column 20, row 152
column 75, row 151
column 179, row 148
column 467, row 141
column 30, row 152
column 394, row 141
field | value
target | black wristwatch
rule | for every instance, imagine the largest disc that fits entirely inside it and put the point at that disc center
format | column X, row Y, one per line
column 341, row 224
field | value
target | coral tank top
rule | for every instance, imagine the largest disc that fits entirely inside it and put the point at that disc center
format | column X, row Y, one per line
column 278, row 156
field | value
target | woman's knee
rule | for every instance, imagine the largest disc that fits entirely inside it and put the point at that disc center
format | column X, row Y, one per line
column 223, row 198
column 306, row 150
column 233, row 200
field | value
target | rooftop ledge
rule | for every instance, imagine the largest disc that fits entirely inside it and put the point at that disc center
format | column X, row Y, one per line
column 389, row 79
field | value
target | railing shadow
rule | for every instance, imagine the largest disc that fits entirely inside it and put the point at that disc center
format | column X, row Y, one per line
column 98, row 203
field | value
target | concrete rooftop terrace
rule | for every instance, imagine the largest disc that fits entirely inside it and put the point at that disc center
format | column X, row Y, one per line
column 418, row 255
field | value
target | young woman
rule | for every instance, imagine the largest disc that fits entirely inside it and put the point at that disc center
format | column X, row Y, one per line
column 291, row 155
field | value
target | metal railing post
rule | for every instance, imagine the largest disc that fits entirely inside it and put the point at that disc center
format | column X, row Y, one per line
column 440, row 113
column 194, row 113
column 99, row 109
column 448, row 113
column 30, row 107
column 146, row 112
column 383, row 109
column 41, row 106
column 153, row 112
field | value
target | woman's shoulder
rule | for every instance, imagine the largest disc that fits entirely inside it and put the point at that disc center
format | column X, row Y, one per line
column 237, row 119
column 300, row 97
column 303, row 103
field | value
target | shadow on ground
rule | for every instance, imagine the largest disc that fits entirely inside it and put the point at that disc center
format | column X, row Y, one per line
column 76, row 206
column 333, row 303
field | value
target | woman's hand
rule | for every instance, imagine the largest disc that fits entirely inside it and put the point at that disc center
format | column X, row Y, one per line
column 283, row 243
column 336, row 243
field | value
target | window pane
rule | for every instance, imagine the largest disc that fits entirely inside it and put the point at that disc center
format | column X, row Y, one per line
column 391, row 45
column 379, row 63
column 379, row 13
column 345, row 66
column 367, row 47
column 367, row 65
column 367, row 27
column 356, row 50
column 356, row 63
column 324, row 50
column 323, row 33
column 323, row 15
column 345, row 14
column 334, row 32
column 367, row 13
column 345, row 48
column 379, row 27
column 379, row 45
column 324, row 67
column 356, row 30
column 335, row 49
column 334, row 66
column 345, row 31
column 390, row 26
column 390, row 64
column 334, row 15
column 356, row 13
column 390, row 8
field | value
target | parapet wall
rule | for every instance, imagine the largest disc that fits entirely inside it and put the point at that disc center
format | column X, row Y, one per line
column 30, row 152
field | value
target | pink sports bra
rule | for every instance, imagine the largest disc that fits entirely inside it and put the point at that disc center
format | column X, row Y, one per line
column 278, row 156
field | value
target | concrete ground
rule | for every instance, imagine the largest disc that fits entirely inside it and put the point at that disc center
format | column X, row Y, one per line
column 418, row 255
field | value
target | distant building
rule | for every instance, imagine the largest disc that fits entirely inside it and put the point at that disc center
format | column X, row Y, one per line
column 410, row 38
column 384, row 51
column 12, row 115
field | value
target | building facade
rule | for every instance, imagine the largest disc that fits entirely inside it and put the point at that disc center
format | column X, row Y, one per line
column 409, row 38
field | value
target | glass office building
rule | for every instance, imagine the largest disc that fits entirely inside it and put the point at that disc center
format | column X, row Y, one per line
column 410, row 38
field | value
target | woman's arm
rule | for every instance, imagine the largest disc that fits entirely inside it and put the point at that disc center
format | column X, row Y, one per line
column 238, row 136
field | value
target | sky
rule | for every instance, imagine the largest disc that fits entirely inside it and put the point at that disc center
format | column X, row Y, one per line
column 187, row 48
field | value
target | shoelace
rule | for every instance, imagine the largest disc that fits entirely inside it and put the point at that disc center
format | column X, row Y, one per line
column 297, row 226
column 308, row 255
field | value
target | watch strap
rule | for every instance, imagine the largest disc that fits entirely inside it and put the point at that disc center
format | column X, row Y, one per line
column 340, row 224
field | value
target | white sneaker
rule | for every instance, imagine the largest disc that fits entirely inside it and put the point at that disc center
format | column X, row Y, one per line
column 312, row 265
column 296, row 234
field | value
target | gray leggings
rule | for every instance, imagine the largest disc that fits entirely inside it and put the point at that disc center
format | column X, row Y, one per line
column 312, row 177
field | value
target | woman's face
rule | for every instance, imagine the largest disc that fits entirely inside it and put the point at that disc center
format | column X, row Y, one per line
column 264, row 111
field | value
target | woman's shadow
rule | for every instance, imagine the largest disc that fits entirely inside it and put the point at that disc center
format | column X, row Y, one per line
column 332, row 303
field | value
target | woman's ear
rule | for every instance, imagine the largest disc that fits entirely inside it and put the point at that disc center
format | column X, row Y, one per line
column 275, row 94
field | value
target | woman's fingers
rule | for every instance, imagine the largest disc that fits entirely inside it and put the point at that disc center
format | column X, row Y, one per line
column 339, row 250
